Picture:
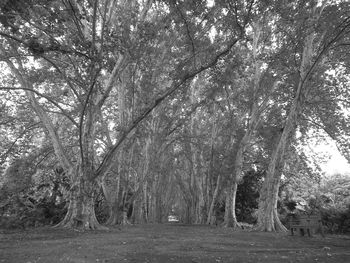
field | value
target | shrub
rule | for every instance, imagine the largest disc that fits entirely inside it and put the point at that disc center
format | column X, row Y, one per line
column 248, row 196
column 21, row 211
column 336, row 221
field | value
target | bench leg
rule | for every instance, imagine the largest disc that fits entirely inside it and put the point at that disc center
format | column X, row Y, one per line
column 321, row 231
column 309, row 233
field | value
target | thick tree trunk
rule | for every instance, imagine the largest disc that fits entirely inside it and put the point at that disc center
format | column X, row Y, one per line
column 186, row 197
column 254, row 116
column 230, row 219
column 113, row 202
column 111, row 191
column 267, row 213
column 211, row 219
column 196, row 182
column 81, row 211
column 136, row 216
column 125, row 220
column 114, row 214
column 268, row 219
column 155, row 208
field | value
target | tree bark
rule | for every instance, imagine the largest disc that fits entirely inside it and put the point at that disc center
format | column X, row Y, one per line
column 81, row 211
column 211, row 219
column 267, row 213
column 230, row 219
column 196, row 181
column 268, row 219
column 187, row 197
column 111, row 193
column 255, row 112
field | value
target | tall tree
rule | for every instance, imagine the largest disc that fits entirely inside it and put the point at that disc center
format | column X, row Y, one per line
column 315, row 46
column 73, row 53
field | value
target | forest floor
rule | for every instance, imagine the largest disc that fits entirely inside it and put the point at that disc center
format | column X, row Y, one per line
column 168, row 243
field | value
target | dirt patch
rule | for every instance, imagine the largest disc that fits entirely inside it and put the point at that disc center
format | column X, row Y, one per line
column 168, row 243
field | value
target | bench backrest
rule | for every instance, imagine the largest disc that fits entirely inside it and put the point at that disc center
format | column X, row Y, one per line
column 306, row 220
column 314, row 218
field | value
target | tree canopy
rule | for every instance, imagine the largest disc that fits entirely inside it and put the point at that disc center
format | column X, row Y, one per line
column 151, row 108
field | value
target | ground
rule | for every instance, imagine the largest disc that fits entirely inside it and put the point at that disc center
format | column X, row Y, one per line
column 168, row 243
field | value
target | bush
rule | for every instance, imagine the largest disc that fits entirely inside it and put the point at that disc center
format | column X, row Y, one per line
column 336, row 221
column 248, row 196
column 21, row 211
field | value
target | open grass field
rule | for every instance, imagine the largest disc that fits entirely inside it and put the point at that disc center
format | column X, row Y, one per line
column 168, row 243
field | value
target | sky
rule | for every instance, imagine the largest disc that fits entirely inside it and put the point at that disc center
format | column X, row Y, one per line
column 333, row 162
column 336, row 164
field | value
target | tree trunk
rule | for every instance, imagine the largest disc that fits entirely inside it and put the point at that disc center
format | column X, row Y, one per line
column 201, row 184
column 230, row 219
column 268, row 219
column 114, row 213
column 155, row 207
column 144, row 182
column 267, row 213
column 195, row 187
column 158, row 209
column 186, row 196
column 211, row 219
column 254, row 116
column 111, row 194
column 145, row 202
column 200, row 218
column 81, row 211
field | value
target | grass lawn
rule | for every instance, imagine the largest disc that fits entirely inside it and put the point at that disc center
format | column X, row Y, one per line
column 168, row 243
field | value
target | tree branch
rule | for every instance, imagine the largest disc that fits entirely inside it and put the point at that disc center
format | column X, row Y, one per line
column 64, row 76
column 59, row 150
column 17, row 138
column 81, row 121
column 117, row 70
column 328, row 132
column 65, row 113
column 107, row 160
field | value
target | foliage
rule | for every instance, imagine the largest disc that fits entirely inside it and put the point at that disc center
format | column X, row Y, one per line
column 336, row 220
column 330, row 198
column 248, row 196
column 31, row 196
column 23, row 211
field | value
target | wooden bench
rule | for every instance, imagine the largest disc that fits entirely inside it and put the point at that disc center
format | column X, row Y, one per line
column 306, row 224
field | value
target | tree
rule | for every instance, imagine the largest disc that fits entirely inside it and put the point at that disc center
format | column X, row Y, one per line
column 78, row 52
column 314, row 48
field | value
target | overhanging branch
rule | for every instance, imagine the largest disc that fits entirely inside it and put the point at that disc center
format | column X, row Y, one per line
column 107, row 161
column 64, row 112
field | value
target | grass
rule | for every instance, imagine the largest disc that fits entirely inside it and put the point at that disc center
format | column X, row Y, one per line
column 168, row 243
